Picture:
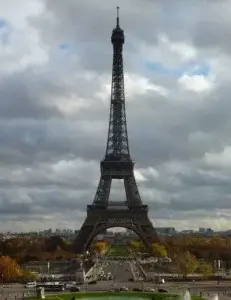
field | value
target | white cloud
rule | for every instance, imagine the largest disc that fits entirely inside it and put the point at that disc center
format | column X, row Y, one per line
column 167, row 52
column 139, row 85
column 17, row 15
column 148, row 172
column 135, row 85
column 195, row 83
column 139, row 176
column 182, row 49
column 219, row 160
column 23, row 47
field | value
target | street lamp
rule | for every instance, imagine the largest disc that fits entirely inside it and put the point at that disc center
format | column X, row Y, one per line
column 2, row 281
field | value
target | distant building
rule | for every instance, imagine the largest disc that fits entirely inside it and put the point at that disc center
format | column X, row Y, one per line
column 99, row 237
column 166, row 230
column 209, row 231
column 202, row 230
column 189, row 231
column 206, row 231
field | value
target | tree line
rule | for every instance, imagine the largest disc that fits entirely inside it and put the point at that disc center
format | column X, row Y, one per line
column 188, row 254
column 25, row 249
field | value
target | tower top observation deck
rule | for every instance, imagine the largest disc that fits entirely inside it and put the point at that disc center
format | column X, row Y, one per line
column 117, row 36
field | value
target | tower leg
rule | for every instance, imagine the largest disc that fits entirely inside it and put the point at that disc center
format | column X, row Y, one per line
column 82, row 237
column 132, row 192
column 102, row 192
column 99, row 220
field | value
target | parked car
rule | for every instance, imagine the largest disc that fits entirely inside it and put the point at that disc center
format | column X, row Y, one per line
column 137, row 290
column 31, row 284
column 92, row 282
column 74, row 289
column 162, row 291
column 131, row 279
column 149, row 289
column 124, row 288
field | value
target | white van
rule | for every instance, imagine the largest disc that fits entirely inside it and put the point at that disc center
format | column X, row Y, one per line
column 30, row 284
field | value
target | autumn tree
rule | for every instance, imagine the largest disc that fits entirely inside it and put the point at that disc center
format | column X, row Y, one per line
column 208, row 248
column 186, row 263
column 27, row 275
column 159, row 250
column 100, row 246
column 136, row 245
column 10, row 270
column 205, row 269
column 31, row 248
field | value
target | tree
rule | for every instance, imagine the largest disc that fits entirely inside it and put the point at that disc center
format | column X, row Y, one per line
column 159, row 250
column 205, row 269
column 27, row 275
column 10, row 270
column 100, row 246
column 136, row 245
column 186, row 263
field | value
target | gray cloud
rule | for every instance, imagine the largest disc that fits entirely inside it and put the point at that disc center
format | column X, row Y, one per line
column 54, row 110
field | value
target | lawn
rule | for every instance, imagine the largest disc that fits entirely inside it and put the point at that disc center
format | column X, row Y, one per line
column 118, row 250
column 109, row 295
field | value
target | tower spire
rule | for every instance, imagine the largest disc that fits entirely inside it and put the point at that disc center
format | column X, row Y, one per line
column 117, row 19
column 117, row 143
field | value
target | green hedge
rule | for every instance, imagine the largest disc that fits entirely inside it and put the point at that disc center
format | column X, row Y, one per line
column 79, row 295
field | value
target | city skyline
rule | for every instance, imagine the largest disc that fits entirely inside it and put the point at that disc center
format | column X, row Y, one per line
column 54, row 104
column 161, row 231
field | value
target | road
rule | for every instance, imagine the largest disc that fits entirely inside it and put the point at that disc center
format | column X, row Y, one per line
column 195, row 288
column 14, row 291
column 121, row 272
column 207, row 288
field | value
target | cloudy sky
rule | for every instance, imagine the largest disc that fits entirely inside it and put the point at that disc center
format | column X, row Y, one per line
column 55, row 74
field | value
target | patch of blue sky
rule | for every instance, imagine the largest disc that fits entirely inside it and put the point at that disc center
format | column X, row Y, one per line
column 5, row 31
column 3, row 22
column 201, row 69
column 65, row 46
column 192, row 68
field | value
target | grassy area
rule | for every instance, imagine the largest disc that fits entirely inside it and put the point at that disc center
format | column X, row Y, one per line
column 101, row 295
column 118, row 250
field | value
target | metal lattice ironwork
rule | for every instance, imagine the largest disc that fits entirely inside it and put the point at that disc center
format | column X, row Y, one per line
column 117, row 142
column 117, row 164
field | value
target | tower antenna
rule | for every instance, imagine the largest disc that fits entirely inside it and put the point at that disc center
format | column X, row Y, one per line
column 117, row 19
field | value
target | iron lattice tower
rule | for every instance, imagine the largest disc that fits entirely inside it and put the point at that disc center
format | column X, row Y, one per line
column 117, row 164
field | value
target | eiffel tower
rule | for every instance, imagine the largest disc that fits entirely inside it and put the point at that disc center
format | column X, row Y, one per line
column 117, row 164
